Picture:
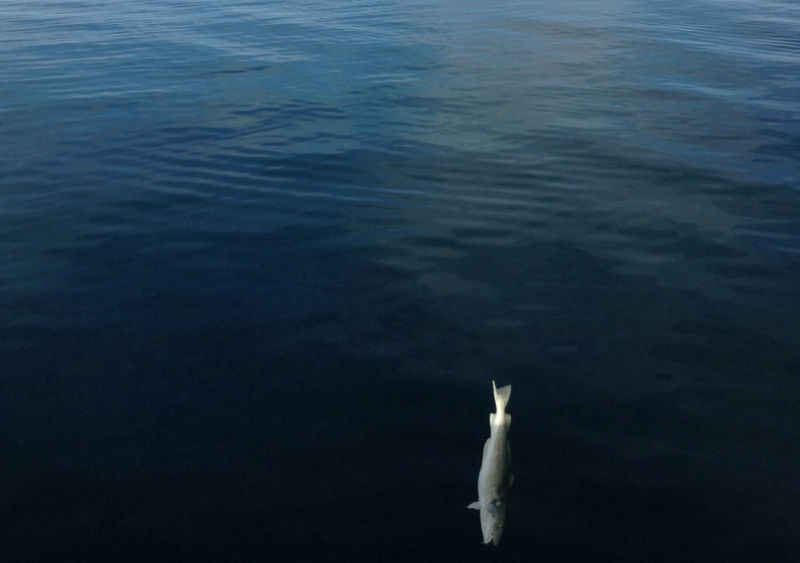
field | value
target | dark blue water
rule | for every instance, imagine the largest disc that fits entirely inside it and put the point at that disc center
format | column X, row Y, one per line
column 260, row 261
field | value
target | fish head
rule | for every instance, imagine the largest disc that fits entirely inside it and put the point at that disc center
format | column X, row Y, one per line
column 493, row 520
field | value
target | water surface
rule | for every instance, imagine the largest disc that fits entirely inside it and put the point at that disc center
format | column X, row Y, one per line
column 260, row 261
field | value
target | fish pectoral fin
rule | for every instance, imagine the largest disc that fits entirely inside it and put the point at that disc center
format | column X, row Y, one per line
column 491, row 419
column 474, row 505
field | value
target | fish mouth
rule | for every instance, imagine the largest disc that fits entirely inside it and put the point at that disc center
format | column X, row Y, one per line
column 494, row 540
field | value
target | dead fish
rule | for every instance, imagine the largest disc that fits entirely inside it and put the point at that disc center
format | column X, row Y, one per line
column 495, row 478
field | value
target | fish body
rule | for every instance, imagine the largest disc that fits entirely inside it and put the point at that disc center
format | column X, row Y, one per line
column 495, row 478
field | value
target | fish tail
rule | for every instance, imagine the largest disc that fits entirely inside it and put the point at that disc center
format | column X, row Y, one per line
column 501, row 397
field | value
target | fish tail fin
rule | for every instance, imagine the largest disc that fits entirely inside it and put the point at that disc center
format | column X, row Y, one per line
column 501, row 397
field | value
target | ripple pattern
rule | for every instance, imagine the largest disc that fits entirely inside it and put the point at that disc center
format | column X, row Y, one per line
column 219, row 216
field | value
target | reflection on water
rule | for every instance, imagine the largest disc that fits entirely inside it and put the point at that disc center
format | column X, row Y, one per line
column 258, row 258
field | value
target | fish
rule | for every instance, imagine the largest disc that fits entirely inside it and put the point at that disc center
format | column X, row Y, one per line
column 495, row 477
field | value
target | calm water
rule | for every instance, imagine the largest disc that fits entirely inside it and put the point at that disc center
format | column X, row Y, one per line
column 260, row 261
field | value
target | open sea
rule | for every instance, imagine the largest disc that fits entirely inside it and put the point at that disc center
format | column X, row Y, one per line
column 260, row 262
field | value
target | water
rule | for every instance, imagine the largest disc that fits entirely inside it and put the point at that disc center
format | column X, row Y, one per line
column 260, row 261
